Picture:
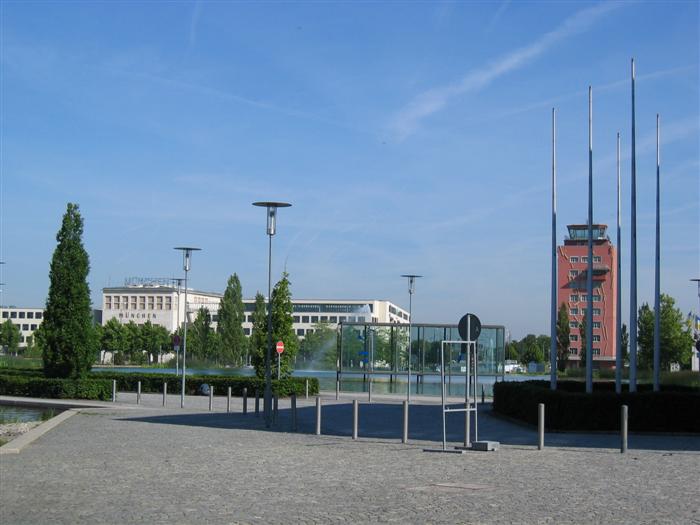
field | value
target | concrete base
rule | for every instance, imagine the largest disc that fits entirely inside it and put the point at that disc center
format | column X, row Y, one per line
column 485, row 446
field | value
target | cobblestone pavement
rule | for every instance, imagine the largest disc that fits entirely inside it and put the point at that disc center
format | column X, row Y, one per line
column 153, row 465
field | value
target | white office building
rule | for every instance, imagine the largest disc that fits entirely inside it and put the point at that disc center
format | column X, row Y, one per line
column 26, row 319
column 162, row 302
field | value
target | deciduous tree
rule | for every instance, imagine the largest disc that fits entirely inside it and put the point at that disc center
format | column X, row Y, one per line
column 234, row 345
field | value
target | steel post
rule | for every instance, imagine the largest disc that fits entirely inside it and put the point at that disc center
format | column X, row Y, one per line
column 294, row 412
column 245, row 401
column 540, row 426
column 228, row 400
column 275, row 408
column 114, row 390
column 404, row 438
column 355, row 417
column 138, row 393
column 211, row 398
column 623, row 429
column 257, row 403
column 165, row 393
column 318, row 416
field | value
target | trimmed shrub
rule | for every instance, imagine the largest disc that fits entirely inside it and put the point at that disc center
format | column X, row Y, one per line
column 37, row 386
column 154, row 383
column 673, row 409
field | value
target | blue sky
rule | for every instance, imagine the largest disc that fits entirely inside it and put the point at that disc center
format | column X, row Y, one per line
column 411, row 137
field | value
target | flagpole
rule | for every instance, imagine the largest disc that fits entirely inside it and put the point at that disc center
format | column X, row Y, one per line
column 589, row 272
column 633, row 256
column 618, row 313
column 553, row 320
column 657, row 273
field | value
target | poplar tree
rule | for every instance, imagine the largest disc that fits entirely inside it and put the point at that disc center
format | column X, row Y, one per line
column 69, row 344
column 230, row 327
column 282, row 324
column 563, row 336
column 258, row 336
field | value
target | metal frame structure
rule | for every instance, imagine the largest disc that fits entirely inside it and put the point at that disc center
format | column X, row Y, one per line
column 470, row 394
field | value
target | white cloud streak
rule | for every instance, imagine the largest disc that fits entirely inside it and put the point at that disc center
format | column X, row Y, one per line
column 408, row 119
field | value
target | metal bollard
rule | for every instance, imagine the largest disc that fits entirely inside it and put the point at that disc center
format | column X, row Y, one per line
column 138, row 393
column 114, row 390
column 404, row 438
column 228, row 400
column 294, row 412
column 540, row 426
column 211, row 398
column 337, row 390
column 355, row 417
column 318, row 416
column 483, row 396
column 623, row 429
column 306, row 385
column 245, row 400
column 165, row 393
column 257, row 404
column 275, row 408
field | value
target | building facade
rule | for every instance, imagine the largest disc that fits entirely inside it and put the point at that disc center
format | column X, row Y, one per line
column 161, row 302
column 572, row 275
column 26, row 319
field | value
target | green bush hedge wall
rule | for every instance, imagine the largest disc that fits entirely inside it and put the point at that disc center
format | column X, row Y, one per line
column 38, row 386
column 154, row 383
column 673, row 409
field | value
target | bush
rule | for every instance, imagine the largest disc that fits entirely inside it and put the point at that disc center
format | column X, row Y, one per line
column 153, row 382
column 673, row 409
column 37, row 386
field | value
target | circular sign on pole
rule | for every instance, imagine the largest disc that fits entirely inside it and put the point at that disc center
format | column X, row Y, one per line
column 176, row 340
column 469, row 325
column 280, row 347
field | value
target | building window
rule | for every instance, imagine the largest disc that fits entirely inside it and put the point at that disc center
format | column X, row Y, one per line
column 309, row 331
column 596, row 339
column 573, row 324
column 596, row 311
column 584, row 259
column 573, row 337
column 33, row 327
column 596, row 298
column 39, row 315
column 596, row 259
column 150, row 302
column 142, row 302
column 4, row 315
column 108, row 303
column 300, row 331
column 324, row 318
column 30, row 315
column 573, row 274
column 573, row 311
column 573, row 259
column 246, row 331
column 333, row 319
column 21, row 315
column 304, row 318
column 25, row 328
column 21, row 339
column 596, row 351
column 133, row 302
column 573, row 350
column 573, row 298
column 596, row 324
column 168, row 303
column 159, row 303
column 341, row 319
column 116, row 302
column 314, row 318
column 295, row 318
column 584, row 298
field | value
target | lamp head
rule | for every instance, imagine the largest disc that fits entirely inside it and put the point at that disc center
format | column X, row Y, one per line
column 186, row 256
column 271, row 213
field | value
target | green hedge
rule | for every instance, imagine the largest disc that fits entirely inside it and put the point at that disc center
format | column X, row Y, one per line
column 37, row 386
column 673, row 409
column 153, row 382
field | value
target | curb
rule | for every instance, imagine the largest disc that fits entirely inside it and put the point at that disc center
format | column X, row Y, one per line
column 16, row 445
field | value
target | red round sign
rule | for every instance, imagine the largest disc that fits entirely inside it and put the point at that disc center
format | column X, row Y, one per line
column 280, row 347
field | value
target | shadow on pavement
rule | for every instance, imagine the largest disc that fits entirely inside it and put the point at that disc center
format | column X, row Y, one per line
column 383, row 421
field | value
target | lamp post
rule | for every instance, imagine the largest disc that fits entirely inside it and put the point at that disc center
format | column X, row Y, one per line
column 186, row 261
column 177, row 281
column 271, row 225
column 411, row 289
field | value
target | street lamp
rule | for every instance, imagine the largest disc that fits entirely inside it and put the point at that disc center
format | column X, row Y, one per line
column 177, row 281
column 411, row 289
column 271, row 225
column 186, row 260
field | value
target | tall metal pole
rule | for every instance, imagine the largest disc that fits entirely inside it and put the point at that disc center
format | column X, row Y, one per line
column 657, row 273
column 589, row 273
column 410, row 322
column 633, row 255
column 618, row 278
column 268, row 354
column 553, row 312
column 184, row 350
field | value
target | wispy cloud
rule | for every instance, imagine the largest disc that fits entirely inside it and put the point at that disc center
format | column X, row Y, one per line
column 194, row 22
column 430, row 102
column 497, row 15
